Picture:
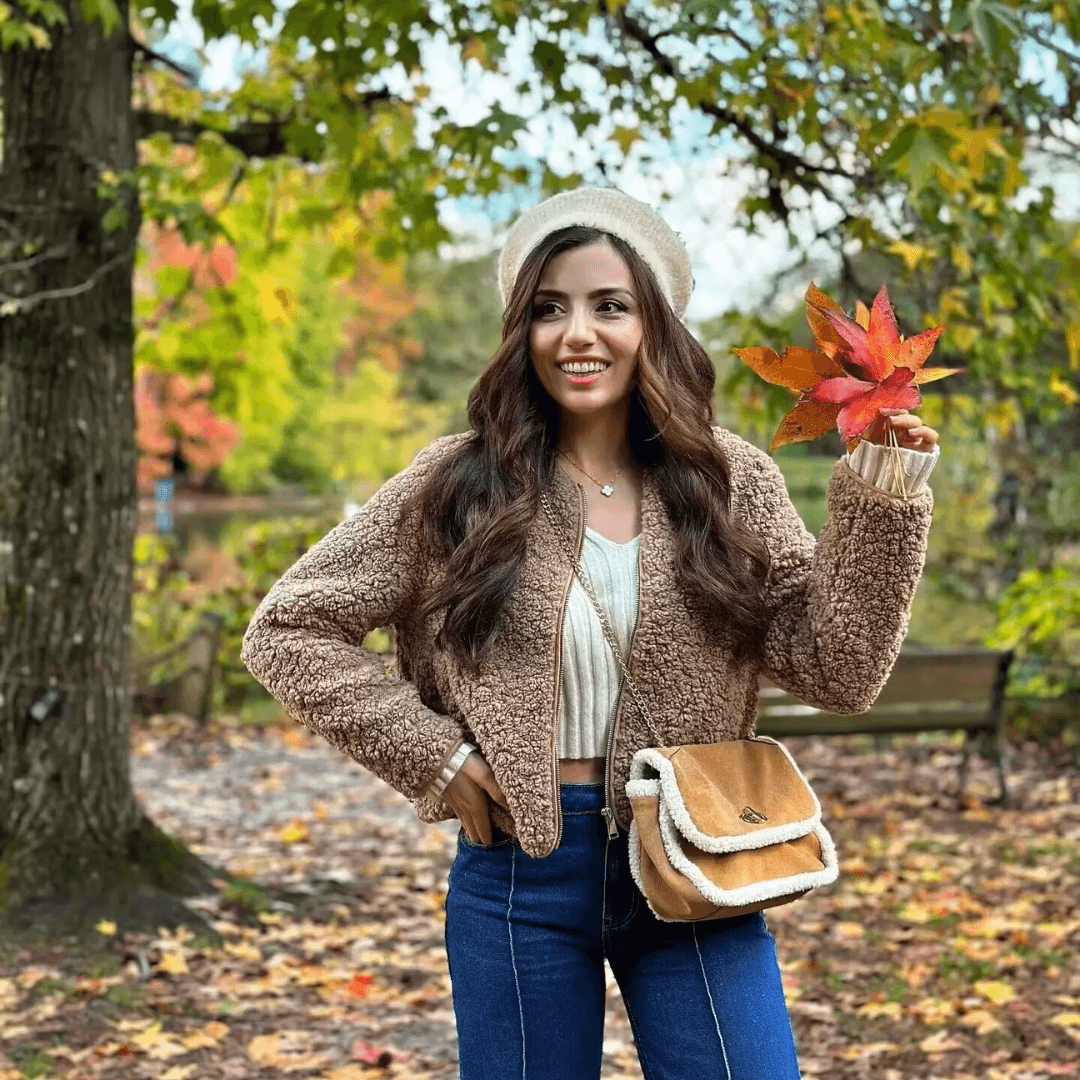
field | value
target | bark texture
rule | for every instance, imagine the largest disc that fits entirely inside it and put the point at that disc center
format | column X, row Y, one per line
column 70, row 830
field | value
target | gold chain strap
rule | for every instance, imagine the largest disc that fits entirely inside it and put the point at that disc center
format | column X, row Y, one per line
column 612, row 640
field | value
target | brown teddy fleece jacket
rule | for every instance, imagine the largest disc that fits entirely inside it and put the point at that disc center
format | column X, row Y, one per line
column 839, row 612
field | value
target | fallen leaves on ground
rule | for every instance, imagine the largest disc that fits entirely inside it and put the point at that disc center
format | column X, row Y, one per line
column 947, row 949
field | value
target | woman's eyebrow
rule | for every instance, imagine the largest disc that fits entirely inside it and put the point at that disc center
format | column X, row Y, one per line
column 606, row 290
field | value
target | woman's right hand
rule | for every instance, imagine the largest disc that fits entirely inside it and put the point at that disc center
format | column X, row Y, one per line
column 468, row 794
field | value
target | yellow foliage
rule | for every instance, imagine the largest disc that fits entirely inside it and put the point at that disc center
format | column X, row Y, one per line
column 939, row 1043
column 178, row 1072
column 874, row 1009
column 625, row 137
column 1064, row 390
column 995, row 991
column 476, row 49
column 158, row 1044
column 961, row 260
column 865, row 1050
column 952, row 302
column 934, row 1010
column 981, row 1020
column 973, row 146
column 173, row 963
column 915, row 912
column 912, row 254
column 1072, row 341
column 850, row 930
column 1003, row 415
column 294, row 833
column 287, row 1050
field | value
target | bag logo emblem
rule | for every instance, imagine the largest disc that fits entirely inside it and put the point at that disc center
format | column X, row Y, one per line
column 751, row 816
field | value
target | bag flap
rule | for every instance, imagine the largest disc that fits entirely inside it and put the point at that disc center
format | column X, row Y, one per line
column 729, row 796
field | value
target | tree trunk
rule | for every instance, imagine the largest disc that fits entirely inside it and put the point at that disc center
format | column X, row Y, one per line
column 1022, row 530
column 74, row 846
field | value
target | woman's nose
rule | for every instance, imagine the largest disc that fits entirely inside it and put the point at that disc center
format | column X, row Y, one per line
column 579, row 327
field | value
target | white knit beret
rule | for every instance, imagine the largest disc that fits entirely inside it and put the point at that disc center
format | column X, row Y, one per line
column 615, row 212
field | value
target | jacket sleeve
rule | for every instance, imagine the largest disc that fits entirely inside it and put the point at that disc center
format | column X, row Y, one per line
column 305, row 643
column 839, row 606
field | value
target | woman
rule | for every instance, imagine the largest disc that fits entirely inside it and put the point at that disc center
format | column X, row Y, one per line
column 505, row 711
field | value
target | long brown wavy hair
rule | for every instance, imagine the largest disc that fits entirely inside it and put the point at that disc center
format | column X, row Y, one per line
column 477, row 508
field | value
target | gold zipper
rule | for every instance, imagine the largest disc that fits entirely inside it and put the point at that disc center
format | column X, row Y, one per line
column 609, row 794
column 584, row 507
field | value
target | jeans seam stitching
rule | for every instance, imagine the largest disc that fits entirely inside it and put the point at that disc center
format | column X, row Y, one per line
column 712, row 1007
column 603, row 897
column 513, row 962
column 646, row 1068
column 629, row 918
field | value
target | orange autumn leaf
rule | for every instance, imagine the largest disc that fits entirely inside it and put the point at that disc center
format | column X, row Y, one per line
column 830, row 394
column 808, row 419
column 359, row 985
column 817, row 303
column 797, row 369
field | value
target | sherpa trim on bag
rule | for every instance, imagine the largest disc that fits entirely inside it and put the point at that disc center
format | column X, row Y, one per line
column 667, row 787
column 732, row 902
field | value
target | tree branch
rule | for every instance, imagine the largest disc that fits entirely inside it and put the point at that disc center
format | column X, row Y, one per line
column 142, row 49
column 788, row 164
column 12, row 305
column 44, row 256
column 254, row 139
column 1072, row 58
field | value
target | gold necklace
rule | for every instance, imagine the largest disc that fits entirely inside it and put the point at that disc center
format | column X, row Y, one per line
column 607, row 489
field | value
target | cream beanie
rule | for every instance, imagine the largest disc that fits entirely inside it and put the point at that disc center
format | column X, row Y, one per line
column 614, row 212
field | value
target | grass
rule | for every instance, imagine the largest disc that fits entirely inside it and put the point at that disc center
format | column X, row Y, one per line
column 245, row 899
column 31, row 1061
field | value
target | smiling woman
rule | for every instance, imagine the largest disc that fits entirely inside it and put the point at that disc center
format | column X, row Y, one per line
column 591, row 426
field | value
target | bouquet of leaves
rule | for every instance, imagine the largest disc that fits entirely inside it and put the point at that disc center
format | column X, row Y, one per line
column 858, row 367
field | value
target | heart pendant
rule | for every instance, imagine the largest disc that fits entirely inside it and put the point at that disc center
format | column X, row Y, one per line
column 608, row 490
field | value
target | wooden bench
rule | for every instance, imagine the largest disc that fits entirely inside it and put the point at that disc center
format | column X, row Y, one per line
column 929, row 689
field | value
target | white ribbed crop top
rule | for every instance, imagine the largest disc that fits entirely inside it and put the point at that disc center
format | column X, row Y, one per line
column 590, row 672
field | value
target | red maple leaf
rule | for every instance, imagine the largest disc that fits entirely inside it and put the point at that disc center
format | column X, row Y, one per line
column 371, row 1055
column 830, row 394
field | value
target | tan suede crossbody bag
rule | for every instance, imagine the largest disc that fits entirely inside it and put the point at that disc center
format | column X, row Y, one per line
column 720, row 829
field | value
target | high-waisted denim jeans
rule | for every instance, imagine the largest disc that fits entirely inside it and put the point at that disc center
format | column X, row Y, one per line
column 526, row 941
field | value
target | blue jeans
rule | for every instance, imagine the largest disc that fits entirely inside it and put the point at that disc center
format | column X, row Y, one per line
column 526, row 941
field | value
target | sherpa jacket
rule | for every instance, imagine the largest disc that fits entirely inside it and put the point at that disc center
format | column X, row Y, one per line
column 839, row 611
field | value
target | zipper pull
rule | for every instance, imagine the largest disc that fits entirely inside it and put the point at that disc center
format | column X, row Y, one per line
column 612, row 824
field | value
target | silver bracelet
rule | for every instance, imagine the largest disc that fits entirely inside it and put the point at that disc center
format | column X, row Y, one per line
column 449, row 770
